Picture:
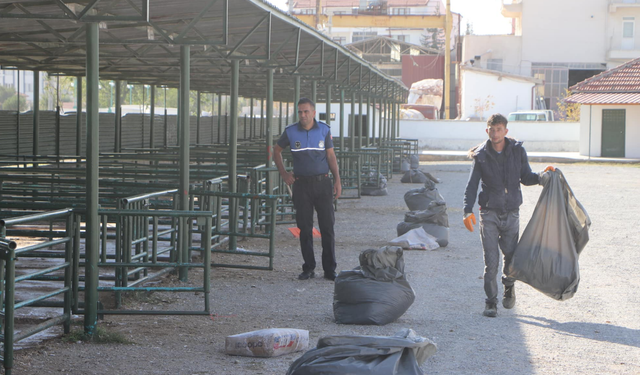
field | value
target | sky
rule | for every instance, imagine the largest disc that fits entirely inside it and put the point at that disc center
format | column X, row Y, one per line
column 484, row 15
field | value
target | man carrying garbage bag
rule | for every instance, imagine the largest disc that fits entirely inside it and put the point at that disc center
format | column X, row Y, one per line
column 501, row 164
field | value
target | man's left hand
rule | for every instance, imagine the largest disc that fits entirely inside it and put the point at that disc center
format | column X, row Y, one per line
column 337, row 189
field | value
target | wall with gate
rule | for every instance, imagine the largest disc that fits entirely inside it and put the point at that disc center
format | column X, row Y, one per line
column 462, row 135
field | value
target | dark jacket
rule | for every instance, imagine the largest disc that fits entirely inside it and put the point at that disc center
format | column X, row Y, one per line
column 500, row 180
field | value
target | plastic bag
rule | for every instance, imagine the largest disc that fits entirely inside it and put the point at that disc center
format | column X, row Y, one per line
column 435, row 213
column 439, row 232
column 547, row 255
column 271, row 342
column 376, row 185
column 376, row 292
column 419, row 199
column 405, row 165
column 414, row 161
column 414, row 176
column 400, row 354
column 415, row 239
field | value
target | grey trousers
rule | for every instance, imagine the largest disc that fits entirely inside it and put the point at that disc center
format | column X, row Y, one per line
column 498, row 230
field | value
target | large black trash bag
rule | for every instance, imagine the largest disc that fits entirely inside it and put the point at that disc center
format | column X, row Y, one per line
column 547, row 255
column 414, row 161
column 376, row 292
column 419, row 199
column 374, row 187
column 400, row 354
column 414, row 176
column 435, row 213
column 405, row 165
column 439, row 232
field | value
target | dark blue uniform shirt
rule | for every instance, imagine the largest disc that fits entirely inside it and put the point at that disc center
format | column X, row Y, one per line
column 308, row 147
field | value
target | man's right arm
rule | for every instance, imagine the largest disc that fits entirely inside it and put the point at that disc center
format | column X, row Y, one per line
column 471, row 192
column 277, row 158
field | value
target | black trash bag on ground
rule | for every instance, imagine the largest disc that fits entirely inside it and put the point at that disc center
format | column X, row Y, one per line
column 435, row 213
column 373, row 188
column 400, row 354
column 376, row 292
column 419, row 199
column 405, row 165
column 547, row 254
column 414, row 161
column 439, row 232
column 414, row 176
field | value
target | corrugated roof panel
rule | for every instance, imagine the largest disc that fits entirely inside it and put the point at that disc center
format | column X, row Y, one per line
column 604, row 98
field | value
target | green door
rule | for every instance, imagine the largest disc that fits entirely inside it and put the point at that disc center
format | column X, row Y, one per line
column 613, row 125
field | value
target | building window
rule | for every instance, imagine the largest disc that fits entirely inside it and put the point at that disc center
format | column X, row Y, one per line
column 400, row 11
column 339, row 12
column 363, row 35
column 340, row 39
column 627, row 27
column 307, row 11
column 494, row 64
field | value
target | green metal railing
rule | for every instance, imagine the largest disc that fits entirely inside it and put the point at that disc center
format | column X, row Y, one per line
column 58, row 276
column 350, row 164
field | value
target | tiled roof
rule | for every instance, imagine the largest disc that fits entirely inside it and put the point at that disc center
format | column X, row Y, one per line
column 356, row 3
column 622, row 79
column 604, row 98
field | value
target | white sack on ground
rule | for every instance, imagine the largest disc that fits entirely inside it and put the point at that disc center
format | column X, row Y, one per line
column 416, row 239
column 271, row 342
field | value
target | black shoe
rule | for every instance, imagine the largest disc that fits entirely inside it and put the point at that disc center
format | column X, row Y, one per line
column 509, row 298
column 306, row 275
column 490, row 310
column 330, row 276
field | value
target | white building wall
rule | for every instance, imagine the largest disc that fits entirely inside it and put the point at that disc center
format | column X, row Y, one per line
column 505, row 47
column 564, row 31
column 462, row 135
column 591, row 123
column 507, row 94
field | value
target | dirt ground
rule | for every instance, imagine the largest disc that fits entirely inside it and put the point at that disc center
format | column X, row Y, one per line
column 595, row 332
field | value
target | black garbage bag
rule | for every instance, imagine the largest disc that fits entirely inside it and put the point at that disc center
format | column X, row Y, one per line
column 414, row 161
column 547, row 255
column 376, row 292
column 374, row 186
column 400, row 354
column 414, row 176
column 405, row 165
column 439, row 232
column 419, row 199
column 435, row 213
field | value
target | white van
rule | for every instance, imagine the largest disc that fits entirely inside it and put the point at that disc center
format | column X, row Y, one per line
column 537, row 115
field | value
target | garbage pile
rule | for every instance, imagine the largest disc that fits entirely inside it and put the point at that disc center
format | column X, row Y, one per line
column 375, row 185
column 400, row 354
column 428, row 210
column 376, row 292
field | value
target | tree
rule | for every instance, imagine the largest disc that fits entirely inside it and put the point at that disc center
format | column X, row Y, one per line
column 6, row 93
column 469, row 30
column 568, row 111
column 11, row 104
column 481, row 105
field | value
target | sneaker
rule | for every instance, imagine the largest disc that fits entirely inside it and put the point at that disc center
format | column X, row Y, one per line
column 306, row 275
column 330, row 276
column 490, row 310
column 509, row 298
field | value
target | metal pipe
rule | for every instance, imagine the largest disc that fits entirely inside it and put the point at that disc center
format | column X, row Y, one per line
column 296, row 95
column 92, row 242
column 269, row 119
column 341, row 120
column 233, row 148
column 36, row 112
column 152, row 115
column 352, row 123
column 78, row 117
column 183, row 110
column 118, row 123
column 197, row 117
column 328, row 105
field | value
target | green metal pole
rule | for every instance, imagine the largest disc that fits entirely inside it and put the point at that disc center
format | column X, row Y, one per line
column 233, row 150
column 360, row 121
column 78, row 117
column 314, row 93
column 280, row 122
column 118, row 119
column 198, row 117
column 219, row 116
column 328, row 105
column 380, row 124
column 92, row 243
column 251, row 119
column 296, row 96
column 367, row 126
column 36, row 112
column 269, row 119
column 183, row 113
column 342, row 120
column 352, row 123
column 373, row 121
column 152, row 114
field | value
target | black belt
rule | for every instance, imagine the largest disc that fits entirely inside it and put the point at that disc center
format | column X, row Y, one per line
column 318, row 177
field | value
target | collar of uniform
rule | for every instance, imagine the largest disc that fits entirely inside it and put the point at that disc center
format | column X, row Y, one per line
column 315, row 125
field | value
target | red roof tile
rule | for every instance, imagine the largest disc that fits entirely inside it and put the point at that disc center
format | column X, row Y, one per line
column 622, row 79
column 604, row 98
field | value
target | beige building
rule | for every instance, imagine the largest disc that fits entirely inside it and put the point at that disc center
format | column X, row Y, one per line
column 559, row 42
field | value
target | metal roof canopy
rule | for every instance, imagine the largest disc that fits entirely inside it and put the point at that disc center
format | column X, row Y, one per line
column 140, row 42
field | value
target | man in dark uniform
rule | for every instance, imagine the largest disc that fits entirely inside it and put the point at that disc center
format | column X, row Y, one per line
column 313, row 157
column 501, row 164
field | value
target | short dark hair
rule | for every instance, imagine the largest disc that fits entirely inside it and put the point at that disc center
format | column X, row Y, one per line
column 497, row 119
column 307, row 101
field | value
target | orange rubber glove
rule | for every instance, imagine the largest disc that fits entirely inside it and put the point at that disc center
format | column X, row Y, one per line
column 550, row 168
column 468, row 218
